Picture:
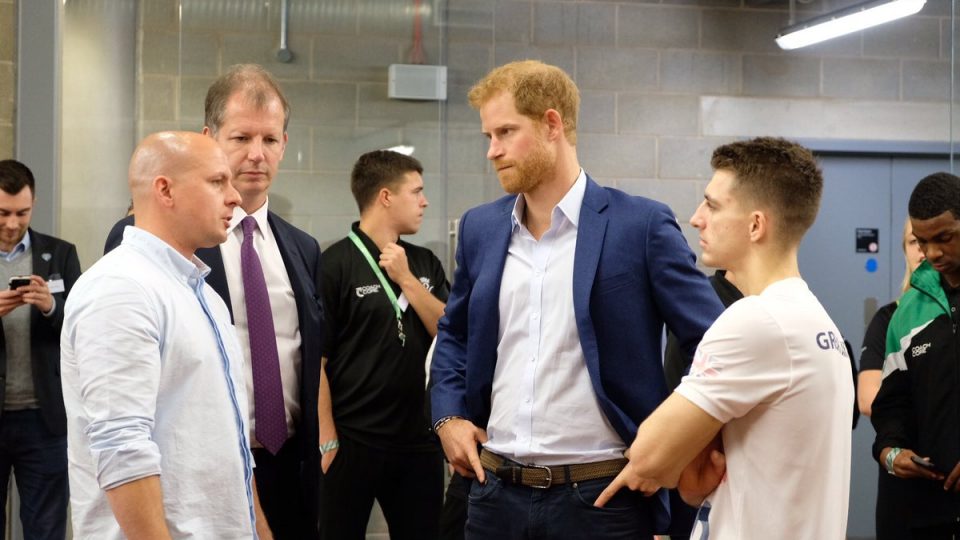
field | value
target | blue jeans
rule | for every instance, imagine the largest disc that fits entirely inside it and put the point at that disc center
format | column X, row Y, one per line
column 38, row 458
column 498, row 510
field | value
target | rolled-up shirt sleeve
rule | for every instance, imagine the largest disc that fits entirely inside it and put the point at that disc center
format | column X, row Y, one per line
column 118, row 360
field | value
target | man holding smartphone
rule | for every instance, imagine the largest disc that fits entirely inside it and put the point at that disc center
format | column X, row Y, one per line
column 914, row 412
column 39, row 271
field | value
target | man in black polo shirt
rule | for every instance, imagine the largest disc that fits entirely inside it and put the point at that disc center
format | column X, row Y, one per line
column 383, row 298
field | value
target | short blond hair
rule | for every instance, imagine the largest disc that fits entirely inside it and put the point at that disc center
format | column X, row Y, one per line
column 535, row 87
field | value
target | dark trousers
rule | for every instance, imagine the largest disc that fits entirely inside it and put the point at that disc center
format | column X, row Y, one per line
column 38, row 458
column 501, row 511
column 947, row 531
column 408, row 486
column 453, row 516
column 893, row 510
column 282, row 495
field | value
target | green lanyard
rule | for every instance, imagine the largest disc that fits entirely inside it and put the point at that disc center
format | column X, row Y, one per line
column 383, row 281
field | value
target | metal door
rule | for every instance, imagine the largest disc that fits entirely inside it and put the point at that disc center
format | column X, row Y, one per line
column 860, row 193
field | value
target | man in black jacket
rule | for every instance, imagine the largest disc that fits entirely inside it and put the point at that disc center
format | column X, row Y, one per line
column 915, row 411
column 40, row 270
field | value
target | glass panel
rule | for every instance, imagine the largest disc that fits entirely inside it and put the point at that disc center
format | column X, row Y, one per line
column 336, row 82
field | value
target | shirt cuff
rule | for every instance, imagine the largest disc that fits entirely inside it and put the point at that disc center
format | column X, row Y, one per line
column 53, row 307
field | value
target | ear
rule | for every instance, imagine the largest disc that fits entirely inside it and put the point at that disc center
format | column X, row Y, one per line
column 553, row 122
column 163, row 190
column 283, row 146
column 384, row 197
column 759, row 226
column 206, row 131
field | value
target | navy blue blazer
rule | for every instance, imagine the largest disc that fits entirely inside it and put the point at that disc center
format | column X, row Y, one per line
column 632, row 272
column 301, row 257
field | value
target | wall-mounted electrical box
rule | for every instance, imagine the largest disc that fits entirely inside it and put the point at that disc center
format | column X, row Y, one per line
column 415, row 81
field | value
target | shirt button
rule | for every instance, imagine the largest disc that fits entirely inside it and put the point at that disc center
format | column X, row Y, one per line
column 526, row 400
column 535, row 316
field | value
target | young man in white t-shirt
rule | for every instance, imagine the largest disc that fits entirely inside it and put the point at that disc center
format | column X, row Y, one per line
column 771, row 375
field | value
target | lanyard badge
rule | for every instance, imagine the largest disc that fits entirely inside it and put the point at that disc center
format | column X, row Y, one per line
column 383, row 282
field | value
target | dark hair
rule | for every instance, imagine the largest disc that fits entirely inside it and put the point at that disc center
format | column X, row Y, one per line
column 14, row 176
column 934, row 195
column 376, row 170
column 777, row 173
column 257, row 85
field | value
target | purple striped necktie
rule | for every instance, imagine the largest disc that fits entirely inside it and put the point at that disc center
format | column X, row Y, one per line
column 269, row 416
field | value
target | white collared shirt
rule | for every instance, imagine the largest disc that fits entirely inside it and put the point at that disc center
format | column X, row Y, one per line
column 283, row 304
column 544, row 410
column 152, row 385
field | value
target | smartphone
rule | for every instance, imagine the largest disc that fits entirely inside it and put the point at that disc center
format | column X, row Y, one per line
column 18, row 281
column 924, row 463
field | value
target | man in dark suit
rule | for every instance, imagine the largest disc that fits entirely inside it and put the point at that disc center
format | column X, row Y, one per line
column 549, row 350
column 33, row 423
column 247, row 114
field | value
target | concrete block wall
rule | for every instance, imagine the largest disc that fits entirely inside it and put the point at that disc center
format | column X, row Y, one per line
column 336, row 85
column 8, row 76
column 662, row 82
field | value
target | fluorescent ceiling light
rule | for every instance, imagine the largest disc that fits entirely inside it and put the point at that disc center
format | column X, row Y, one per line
column 846, row 21
column 404, row 149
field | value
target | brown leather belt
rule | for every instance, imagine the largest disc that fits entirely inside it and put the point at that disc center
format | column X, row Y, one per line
column 543, row 477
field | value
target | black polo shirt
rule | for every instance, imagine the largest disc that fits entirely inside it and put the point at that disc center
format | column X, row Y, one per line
column 376, row 383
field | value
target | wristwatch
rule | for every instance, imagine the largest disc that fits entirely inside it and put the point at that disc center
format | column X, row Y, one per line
column 892, row 455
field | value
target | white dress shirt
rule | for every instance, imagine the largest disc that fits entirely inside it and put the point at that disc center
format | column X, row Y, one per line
column 283, row 304
column 543, row 407
column 152, row 385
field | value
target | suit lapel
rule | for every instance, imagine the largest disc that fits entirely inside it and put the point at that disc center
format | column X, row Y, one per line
column 493, row 261
column 590, row 233
column 296, row 269
column 40, row 266
column 217, row 278
column 494, row 242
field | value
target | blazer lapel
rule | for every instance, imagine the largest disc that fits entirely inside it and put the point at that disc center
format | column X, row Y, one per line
column 493, row 261
column 41, row 266
column 217, row 278
column 590, row 233
column 292, row 261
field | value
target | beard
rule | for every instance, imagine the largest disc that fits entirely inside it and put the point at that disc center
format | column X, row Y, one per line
column 524, row 176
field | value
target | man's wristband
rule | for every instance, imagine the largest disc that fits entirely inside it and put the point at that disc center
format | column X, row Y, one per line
column 329, row 446
column 444, row 420
column 891, row 456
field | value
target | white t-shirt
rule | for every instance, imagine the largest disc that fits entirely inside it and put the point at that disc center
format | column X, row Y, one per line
column 774, row 369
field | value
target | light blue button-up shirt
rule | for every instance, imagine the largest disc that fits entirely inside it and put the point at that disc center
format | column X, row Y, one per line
column 153, row 385
column 22, row 246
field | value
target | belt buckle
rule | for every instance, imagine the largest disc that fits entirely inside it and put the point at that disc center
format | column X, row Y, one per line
column 549, row 480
